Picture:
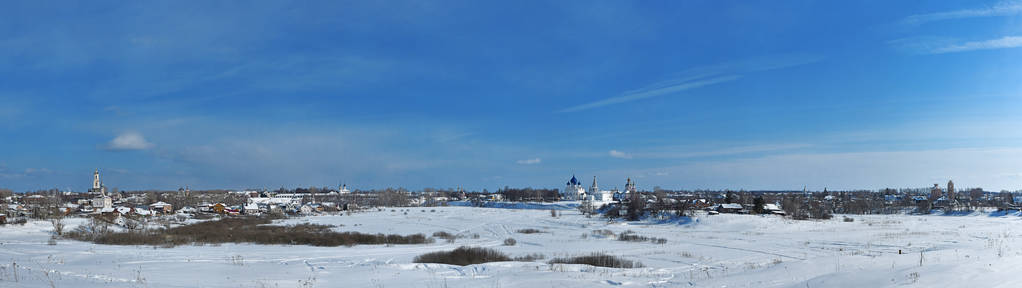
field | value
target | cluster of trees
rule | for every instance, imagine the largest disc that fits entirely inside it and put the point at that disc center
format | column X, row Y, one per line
column 643, row 203
column 392, row 197
column 530, row 194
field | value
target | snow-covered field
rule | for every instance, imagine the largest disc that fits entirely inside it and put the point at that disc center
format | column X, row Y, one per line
column 708, row 251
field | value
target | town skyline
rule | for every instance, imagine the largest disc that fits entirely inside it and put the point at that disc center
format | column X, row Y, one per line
column 99, row 186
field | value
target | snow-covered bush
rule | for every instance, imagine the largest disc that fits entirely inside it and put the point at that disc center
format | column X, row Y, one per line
column 599, row 259
column 463, row 256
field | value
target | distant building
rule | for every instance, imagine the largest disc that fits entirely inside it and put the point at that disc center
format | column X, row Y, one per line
column 594, row 193
column 573, row 190
column 97, row 185
column 729, row 208
column 161, row 207
column 594, row 189
column 630, row 186
column 102, row 201
column 629, row 189
column 950, row 189
column 936, row 192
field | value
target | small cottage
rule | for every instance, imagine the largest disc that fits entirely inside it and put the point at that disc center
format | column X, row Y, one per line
column 729, row 208
column 219, row 208
column 161, row 208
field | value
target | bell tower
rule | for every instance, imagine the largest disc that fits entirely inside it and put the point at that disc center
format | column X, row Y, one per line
column 96, row 184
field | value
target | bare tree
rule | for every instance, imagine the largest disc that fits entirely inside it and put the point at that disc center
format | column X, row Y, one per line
column 635, row 206
column 682, row 207
column 392, row 197
column 4, row 193
column 58, row 224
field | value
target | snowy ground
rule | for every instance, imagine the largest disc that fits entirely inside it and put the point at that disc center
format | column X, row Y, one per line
column 710, row 251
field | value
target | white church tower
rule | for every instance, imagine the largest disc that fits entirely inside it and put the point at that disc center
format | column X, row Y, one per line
column 95, row 180
column 103, row 201
column 97, row 185
column 594, row 193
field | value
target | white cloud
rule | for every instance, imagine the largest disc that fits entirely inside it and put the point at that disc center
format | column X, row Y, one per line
column 1001, row 9
column 652, row 92
column 1000, row 43
column 35, row 171
column 703, row 76
column 530, row 161
column 694, row 152
column 129, row 141
column 619, row 154
column 6, row 173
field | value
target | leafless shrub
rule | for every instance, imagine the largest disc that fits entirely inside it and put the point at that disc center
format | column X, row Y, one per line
column 530, row 231
column 510, row 242
column 58, row 225
column 237, row 260
column 446, row 236
column 238, row 230
column 600, row 260
column 530, row 257
column 630, row 236
column 133, row 224
column 463, row 256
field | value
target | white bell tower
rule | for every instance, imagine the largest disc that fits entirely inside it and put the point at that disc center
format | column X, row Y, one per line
column 96, row 184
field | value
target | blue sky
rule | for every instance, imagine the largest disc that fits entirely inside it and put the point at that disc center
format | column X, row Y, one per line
column 677, row 94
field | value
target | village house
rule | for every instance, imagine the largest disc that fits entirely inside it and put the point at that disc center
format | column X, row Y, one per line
column 142, row 211
column 771, row 208
column 187, row 210
column 306, row 209
column 251, row 209
column 69, row 208
column 161, row 208
column 108, row 211
column 218, row 208
column 729, row 208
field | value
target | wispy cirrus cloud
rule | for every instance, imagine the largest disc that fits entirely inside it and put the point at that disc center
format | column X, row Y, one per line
column 530, row 161
column 619, row 154
column 999, row 43
column 1001, row 9
column 652, row 92
column 702, row 76
column 6, row 173
column 686, row 152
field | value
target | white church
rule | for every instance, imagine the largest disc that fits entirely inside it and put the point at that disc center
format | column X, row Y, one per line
column 575, row 192
column 102, row 201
